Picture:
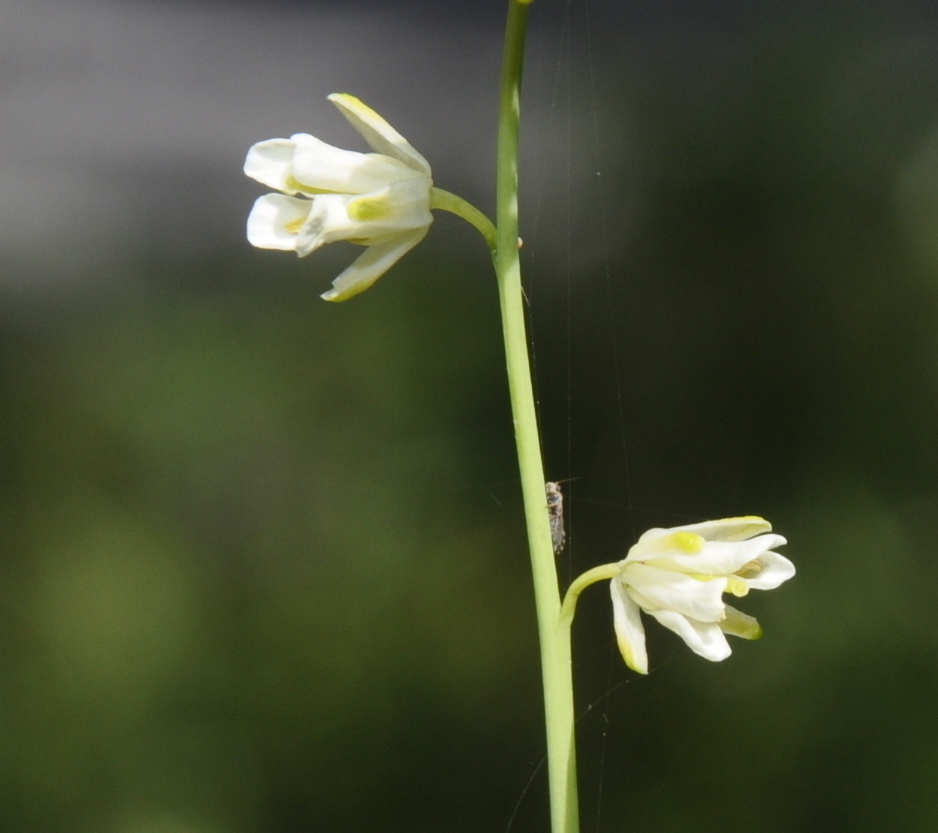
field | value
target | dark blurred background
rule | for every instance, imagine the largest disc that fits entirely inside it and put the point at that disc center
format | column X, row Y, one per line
column 263, row 559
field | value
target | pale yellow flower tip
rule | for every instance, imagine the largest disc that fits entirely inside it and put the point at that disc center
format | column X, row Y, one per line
column 378, row 133
column 632, row 660
column 351, row 102
column 737, row 623
column 737, row 586
column 741, row 528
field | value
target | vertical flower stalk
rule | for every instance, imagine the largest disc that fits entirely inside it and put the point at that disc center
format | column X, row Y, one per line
column 554, row 636
column 382, row 201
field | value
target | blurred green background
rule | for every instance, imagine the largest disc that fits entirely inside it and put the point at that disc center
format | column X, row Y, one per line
column 263, row 559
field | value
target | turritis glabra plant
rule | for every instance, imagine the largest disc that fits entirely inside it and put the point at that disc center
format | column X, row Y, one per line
column 383, row 201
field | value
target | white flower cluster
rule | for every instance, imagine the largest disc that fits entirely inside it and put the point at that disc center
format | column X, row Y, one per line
column 679, row 575
column 379, row 200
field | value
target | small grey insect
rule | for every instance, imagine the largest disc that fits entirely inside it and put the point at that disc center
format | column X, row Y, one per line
column 558, row 535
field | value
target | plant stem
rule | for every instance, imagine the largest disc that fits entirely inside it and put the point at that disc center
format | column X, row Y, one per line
column 446, row 201
column 604, row 571
column 554, row 636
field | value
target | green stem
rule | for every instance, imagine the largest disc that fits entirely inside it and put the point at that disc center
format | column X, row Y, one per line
column 604, row 571
column 446, row 201
column 554, row 636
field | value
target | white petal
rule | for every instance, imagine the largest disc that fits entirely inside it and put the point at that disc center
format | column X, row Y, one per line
column 630, row 634
column 776, row 569
column 378, row 133
column 400, row 206
column 274, row 220
column 327, row 222
column 717, row 558
column 323, row 167
column 703, row 638
column 730, row 529
column 656, row 589
column 726, row 529
column 368, row 219
column 372, row 264
column 271, row 163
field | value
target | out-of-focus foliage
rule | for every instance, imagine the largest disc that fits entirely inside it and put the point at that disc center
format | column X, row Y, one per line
column 263, row 565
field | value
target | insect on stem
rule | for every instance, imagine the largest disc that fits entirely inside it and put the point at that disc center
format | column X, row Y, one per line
column 558, row 535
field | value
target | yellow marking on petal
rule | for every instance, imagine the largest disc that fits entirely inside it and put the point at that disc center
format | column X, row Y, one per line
column 294, row 226
column 293, row 184
column 736, row 586
column 356, row 105
column 747, row 527
column 750, row 568
column 688, row 542
column 368, row 209
column 628, row 654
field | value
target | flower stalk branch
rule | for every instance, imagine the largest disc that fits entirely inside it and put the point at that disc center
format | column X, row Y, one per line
column 603, row 572
column 447, row 201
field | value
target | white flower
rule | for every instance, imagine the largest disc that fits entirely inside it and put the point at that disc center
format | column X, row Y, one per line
column 379, row 200
column 679, row 576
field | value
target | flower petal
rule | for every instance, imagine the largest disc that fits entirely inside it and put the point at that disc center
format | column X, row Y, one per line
column 327, row 222
column 380, row 136
column 656, row 589
column 275, row 219
column 716, row 558
column 741, row 624
column 322, row 167
column 400, row 206
column 731, row 529
column 776, row 569
column 703, row 638
column 630, row 634
column 726, row 529
column 366, row 219
column 372, row 264
column 271, row 162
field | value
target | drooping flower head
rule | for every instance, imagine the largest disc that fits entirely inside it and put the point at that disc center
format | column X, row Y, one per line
column 679, row 576
column 379, row 200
